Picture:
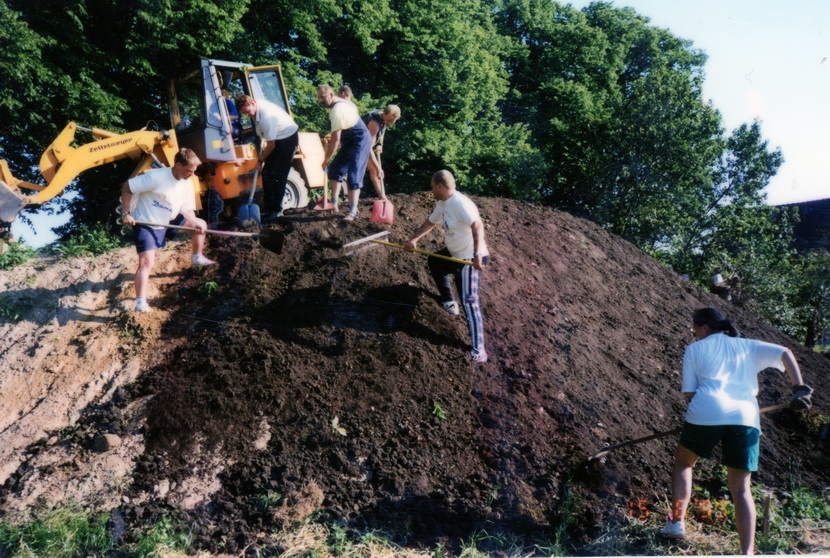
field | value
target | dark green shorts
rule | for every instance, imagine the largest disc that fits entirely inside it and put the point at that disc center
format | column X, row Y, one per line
column 740, row 443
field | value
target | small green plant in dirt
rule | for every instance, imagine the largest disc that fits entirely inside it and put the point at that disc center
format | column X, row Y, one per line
column 560, row 545
column 16, row 254
column 267, row 500
column 209, row 289
column 130, row 331
column 61, row 532
column 438, row 411
column 88, row 241
column 15, row 308
column 813, row 421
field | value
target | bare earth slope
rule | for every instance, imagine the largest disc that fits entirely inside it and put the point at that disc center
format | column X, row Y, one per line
column 338, row 382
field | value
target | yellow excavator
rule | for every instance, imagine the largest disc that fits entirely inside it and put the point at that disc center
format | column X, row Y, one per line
column 201, row 119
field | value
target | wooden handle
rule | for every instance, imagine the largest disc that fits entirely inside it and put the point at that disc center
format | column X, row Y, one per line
column 434, row 255
column 208, row 231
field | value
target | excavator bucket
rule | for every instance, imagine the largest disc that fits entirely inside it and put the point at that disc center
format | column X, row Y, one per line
column 10, row 203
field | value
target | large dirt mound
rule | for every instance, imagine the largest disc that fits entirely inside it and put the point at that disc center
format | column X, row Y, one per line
column 336, row 381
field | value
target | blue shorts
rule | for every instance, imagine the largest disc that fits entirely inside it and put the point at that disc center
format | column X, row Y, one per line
column 350, row 161
column 147, row 238
column 740, row 444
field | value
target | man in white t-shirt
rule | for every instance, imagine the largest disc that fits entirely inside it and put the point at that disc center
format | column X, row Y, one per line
column 350, row 135
column 280, row 138
column 164, row 196
column 463, row 229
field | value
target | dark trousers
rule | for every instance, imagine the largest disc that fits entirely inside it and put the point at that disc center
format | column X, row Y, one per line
column 275, row 171
column 468, row 282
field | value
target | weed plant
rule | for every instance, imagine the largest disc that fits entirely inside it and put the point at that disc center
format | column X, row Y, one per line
column 15, row 308
column 88, row 241
column 209, row 289
column 16, row 253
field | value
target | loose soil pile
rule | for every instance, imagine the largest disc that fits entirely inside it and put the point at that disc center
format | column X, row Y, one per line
column 274, row 386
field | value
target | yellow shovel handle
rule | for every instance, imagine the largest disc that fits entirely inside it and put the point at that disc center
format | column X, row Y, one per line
column 456, row 260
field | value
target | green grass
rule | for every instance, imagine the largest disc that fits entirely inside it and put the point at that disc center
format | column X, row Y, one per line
column 62, row 532
column 16, row 254
column 162, row 539
column 799, row 523
column 88, row 241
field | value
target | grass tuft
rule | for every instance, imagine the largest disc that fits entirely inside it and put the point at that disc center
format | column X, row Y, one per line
column 88, row 241
column 16, row 253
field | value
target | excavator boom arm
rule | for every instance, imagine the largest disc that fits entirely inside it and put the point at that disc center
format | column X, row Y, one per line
column 61, row 163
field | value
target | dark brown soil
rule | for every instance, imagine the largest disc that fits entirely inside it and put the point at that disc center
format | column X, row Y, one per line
column 376, row 415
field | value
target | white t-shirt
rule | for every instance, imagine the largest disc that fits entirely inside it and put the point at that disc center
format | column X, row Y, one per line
column 722, row 372
column 456, row 216
column 158, row 197
column 273, row 123
column 343, row 115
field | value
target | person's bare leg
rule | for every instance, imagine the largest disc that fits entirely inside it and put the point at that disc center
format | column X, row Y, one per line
column 197, row 243
column 681, row 486
column 142, row 273
column 334, row 186
column 739, row 487
column 353, row 197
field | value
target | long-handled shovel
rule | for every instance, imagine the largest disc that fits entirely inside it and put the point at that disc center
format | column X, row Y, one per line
column 374, row 238
column 269, row 239
column 677, row 430
column 424, row 252
column 249, row 215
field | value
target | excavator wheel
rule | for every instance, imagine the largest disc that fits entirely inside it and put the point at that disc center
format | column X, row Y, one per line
column 296, row 192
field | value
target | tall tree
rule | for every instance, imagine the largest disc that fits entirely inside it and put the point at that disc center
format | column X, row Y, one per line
column 617, row 111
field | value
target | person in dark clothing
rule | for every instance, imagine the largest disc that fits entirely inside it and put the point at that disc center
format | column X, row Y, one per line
column 280, row 138
column 376, row 122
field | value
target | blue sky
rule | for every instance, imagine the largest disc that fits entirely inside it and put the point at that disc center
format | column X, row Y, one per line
column 768, row 60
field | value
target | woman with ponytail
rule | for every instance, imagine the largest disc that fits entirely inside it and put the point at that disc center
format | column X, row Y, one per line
column 720, row 381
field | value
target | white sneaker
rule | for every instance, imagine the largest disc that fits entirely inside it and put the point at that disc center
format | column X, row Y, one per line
column 452, row 307
column 674, row 529
column 478, row 356
column 143, row 307
column 199, row 259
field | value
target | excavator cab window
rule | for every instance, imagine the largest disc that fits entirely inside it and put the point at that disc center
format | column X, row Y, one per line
column 186, row 105
column 199, row 112
column 266, row 83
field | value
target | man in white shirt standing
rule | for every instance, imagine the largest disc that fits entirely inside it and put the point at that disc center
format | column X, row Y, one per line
column 280, row 138
column 464, row 236
column 349, row 133
column 164, row 196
